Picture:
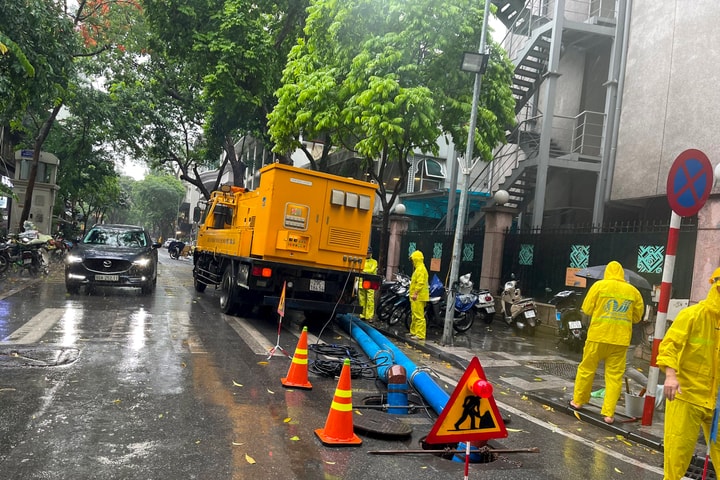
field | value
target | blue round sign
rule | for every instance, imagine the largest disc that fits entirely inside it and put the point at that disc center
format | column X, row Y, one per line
column 689, row 182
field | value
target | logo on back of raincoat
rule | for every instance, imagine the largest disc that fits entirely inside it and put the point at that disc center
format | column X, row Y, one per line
column 614, row 307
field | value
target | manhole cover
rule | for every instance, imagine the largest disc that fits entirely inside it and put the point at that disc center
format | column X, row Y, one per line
column 373, row 422
column 37, row 356
column 559, row 369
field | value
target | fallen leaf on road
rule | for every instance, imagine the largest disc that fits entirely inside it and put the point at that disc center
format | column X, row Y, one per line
column 330, row 463
column 237, row 444
column 270, row 392
column 237, row 384
column 577, row 415
column 538, row 379
column 295, row 438
column 524, row 397
column 618, row 470
column 514, row 430
column 249, row 459
column 548, row 408
column 262, row 363
column 287, row 420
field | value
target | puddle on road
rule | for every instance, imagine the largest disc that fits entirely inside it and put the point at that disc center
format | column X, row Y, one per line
column 37, row 356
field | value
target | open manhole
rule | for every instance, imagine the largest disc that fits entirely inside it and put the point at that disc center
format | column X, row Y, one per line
column 37, row 356
column 479, row 451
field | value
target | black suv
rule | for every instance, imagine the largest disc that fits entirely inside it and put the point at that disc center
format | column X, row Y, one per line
column 113, row 255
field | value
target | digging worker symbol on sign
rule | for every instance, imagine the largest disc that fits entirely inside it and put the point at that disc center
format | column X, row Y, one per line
column 472, row 409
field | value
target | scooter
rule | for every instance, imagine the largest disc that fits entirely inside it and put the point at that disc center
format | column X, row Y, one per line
column 463, row 311
column 520, row 313
column 395, row 304
column 571, row 329
column 483, row 301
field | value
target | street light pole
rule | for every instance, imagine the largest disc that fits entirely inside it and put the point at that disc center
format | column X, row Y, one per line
column 466, row 168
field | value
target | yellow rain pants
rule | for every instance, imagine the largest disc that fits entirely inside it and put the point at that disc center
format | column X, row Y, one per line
column 683, row 421
column 614, row 358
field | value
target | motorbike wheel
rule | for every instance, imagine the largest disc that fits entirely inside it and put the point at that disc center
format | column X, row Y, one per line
column 464, row 322
column 396, row 315
column 384, row 311
column 4, row 263
column 487, row 318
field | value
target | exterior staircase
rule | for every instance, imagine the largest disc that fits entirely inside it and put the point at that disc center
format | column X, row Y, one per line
column 530, row 35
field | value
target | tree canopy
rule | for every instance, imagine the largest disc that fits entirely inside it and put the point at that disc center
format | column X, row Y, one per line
column 382, row 80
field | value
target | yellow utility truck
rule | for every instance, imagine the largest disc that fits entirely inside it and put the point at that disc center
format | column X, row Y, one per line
column 306, row 230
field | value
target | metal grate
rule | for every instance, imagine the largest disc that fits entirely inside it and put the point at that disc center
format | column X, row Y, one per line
column 696, row 468
column 557, row 368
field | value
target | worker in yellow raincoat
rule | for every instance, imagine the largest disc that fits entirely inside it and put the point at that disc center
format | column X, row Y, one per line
column 688, row 355
column 366, row 297
column 613, row 306
column 419, row 295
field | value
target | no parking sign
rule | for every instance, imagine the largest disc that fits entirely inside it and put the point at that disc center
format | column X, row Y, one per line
column 689, row 182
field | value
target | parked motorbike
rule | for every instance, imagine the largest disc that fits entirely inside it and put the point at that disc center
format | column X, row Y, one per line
column 175, row 249
column 26, row 253
column 571, row 329
column 483, row 301
column 395, row 301
column 520, row 313
column 463, row 311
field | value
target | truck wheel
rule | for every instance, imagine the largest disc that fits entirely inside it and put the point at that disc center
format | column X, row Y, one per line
column 199, row 285
column 228, row 295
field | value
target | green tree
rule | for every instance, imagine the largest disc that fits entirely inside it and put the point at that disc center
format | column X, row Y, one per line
column 156, row 200
column 55, row 36
column 382, row 80
column 233, row 52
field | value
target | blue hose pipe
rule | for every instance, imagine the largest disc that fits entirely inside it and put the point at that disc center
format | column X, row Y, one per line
column 433, row 394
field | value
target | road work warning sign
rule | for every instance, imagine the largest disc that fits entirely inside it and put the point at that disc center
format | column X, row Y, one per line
column 471, row 413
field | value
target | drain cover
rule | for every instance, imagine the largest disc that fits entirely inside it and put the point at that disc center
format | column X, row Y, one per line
column 37, row 356
column 373, row 422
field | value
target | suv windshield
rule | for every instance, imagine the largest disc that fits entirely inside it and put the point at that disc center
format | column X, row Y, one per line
column 115, row 237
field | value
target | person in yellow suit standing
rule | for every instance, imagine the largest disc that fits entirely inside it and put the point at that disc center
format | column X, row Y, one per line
column 419, row 295
column 366, row 297
column 613, row 306
column 688, row 354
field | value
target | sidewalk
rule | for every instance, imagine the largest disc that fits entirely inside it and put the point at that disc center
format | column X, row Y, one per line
column 556, row 387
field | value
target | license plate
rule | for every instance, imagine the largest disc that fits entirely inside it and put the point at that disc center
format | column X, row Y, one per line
column 27, row 261
column 107, row 278
column 529, row 313
column 317, row 285
column 490, row 309
column 575, row 325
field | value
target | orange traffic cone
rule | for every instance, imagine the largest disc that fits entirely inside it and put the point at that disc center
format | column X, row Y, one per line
column 298, row 373
column 339, row 424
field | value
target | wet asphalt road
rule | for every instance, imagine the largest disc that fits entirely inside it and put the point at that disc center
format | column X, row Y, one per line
column 123, row 386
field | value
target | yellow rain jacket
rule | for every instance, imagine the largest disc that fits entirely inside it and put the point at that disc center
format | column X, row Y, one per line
column 614, row 306
column 690, row 347
column 419, row 279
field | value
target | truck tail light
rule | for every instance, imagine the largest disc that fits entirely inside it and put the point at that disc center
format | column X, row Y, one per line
column 264, row 272
column 371, row 285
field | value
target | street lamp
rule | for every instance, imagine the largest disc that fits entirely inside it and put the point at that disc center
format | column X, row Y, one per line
column 476, row 63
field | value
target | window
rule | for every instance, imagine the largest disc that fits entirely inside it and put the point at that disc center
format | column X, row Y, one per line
column 430, row 175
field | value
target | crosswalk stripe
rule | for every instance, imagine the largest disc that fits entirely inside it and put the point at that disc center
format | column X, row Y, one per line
column 36, row 327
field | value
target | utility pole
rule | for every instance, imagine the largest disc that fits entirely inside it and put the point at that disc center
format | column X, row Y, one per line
column 466, row 168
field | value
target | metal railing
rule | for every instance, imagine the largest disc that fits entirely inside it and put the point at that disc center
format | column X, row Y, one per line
column 580, row 134
column 540, row 12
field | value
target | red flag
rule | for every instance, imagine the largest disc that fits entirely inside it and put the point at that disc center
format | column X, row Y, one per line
column 281, row 304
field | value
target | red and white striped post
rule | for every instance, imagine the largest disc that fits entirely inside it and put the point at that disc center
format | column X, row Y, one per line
column 688, row 187
column 663, row 302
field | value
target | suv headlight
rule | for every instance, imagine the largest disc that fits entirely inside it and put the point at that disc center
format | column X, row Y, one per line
column 73, row 258
column 142, row 262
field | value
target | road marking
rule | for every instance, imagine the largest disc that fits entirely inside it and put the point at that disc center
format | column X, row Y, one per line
column 33, row 330
column 256, row 340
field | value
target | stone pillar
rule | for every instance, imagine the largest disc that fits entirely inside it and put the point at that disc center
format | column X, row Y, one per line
column 398, row 226
column 707, row 249
column 497, row 220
